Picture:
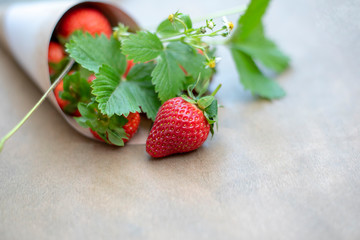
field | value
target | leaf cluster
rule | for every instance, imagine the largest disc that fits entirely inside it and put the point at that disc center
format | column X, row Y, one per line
column 250, row 48
column 167, row 63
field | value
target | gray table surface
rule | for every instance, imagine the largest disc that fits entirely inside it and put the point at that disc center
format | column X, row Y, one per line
column 287, row 169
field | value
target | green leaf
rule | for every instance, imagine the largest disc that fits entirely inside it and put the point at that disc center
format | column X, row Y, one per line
column 186, row 19
column 142, row 46
column 77, row 86
column 250, row 19
column 75, row 89
column 111, row 97
column 110, row 129
column 140, row 75
column 249, row 44
column 264, row 50
column 92, row 52
column 168, row 77
column 211, row 113
column 115, row 132
column 122, row 97
column 253, row 79
column 190, row 59
column 168, row 29
column 117, row 121
column 116, row 136
column 212, row 109
column 84, row 73
column 87, row 110
column 88, row 115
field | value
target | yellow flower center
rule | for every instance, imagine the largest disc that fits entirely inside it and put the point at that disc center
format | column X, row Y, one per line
column 212, row 64
column 231, row 25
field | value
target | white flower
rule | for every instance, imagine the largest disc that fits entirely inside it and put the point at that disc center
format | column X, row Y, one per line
column 210, row 24
column 228, row 24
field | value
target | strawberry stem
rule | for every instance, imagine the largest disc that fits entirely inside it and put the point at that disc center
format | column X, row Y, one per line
column 56, row 82
column 226, row 12
column 216, row 90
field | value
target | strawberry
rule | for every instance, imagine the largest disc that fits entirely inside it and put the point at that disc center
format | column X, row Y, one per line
column 114, row 129
column 86, row 19
column 58, row 89
column 130, row 128
column 91, row 78
column 132, row 125
column 130, row 64
column 56, row 52
column 55, row 55
column 182, row 124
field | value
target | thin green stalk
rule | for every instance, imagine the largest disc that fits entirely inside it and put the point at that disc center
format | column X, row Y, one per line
column 217, row 42
column 56, row 82
column 216, row 90
column 182, row 22
column 227, row 12
column 179, row 34
column 212, row 34
column 173, row 39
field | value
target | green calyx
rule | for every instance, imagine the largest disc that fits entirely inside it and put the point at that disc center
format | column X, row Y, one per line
column 76, row 89
column 110, row 129
column 207, row 104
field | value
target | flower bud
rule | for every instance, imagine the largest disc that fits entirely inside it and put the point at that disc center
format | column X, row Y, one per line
column 202, row 30
column 210, row 24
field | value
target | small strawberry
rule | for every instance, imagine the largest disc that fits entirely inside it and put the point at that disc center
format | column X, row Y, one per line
column 55, row 55
column 130, row 64
column 62, row 103
column 182, row 124
column 85, row 19
column 114, row 130
column 132, row 125
column 91, row 78
column 130, row 128
column 56, row 52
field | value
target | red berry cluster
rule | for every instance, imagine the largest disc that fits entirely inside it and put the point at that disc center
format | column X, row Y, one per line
column 94, row 22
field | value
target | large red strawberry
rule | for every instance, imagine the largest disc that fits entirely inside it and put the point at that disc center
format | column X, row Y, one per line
column 86, row 19
column 130, row 127
column 182, row 124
